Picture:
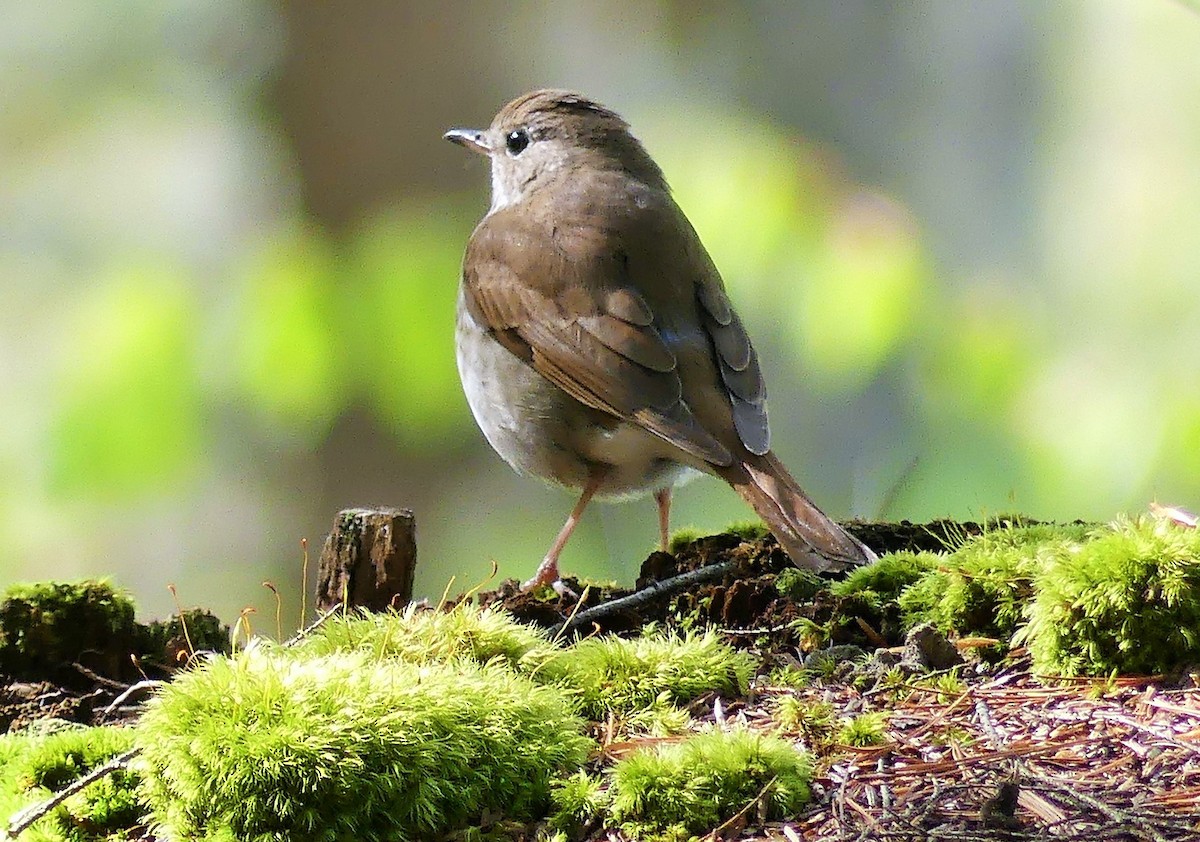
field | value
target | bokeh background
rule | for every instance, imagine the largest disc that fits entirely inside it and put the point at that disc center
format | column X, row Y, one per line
column 965, row 236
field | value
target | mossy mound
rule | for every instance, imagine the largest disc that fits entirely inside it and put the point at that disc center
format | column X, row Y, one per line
column 403, row 726
column 1126, row 602
column 173, row 641
column 678, row 791
column 48, row 625
column 615, row 676
column 427, row 636
column 983, row 587
column 675, row 791
column 349, row 746
column 32, row 765
column 887, row 577
column 1086, row 600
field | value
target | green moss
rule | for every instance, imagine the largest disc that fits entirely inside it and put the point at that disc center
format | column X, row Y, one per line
column 392, row 726
column 1015, row 533
column 887, row 577
column 168, row 642
column 32, row 766
column 351, row 746
column 1086, row 601
column 812, row 720
column 1127, row 601
column 413, row 725
column 579, row 799
column 788, row 675
column 424, row 636
column 674, row 792
column 984, row 587
column 949, row 686
column 48, row 624
column 661, row 719
column 681, row 538
column 748, row 530
column 614, row 675
column 866, row 729
column 798, row 584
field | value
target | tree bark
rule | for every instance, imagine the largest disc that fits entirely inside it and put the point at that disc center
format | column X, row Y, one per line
column 368, row 560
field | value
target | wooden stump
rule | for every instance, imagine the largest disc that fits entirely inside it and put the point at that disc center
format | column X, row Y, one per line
column 368, row 560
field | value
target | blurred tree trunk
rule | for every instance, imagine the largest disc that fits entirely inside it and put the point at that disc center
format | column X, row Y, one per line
column 366, row 89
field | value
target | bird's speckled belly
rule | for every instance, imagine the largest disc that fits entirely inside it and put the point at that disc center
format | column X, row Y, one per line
column 540, row 430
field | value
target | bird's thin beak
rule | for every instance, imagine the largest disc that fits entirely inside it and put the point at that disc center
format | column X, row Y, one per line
column 472, row 139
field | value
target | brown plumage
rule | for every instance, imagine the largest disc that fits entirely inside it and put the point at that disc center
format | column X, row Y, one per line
column 596, row 342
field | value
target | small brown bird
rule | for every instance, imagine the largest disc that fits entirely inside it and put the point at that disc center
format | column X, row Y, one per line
column 596, row 344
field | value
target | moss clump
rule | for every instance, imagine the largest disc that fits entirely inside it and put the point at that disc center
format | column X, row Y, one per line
column 406, row 726
column 748, row 530
column 1127, row 601
column 798, row 584
column 580, row 800
column 866, row 729
column 984, row 587
column 1093, row 601
column 788, row 675
column 349, row 746
column 674, row 792
column 812, row 720
column 46, row 625
column 614, row 675
column 684, row 537
column 677, row 791
column 174, row 640
column 424, row 636
column 33, row 766
column 887, row 577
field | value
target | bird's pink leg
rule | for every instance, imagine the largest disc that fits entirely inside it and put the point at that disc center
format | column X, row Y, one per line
column 547, row 572
column 663, row 498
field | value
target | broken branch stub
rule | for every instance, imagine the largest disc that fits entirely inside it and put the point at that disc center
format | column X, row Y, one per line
column 368, row 560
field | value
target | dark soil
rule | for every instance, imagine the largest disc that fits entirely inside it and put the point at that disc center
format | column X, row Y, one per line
column 742, row 596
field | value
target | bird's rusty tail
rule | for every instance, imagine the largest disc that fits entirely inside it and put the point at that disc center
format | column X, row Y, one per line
column 811, row 538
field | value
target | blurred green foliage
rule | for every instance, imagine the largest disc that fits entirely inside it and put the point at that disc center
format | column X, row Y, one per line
column 126, row 416
column 288, row 362
column 397, row 301
column 973, row 293
column 312, row 328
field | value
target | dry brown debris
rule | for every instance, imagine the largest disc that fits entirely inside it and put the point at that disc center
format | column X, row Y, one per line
column 1014, row 758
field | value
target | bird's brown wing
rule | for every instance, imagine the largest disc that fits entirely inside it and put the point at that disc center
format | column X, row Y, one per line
column 738, row 363
column 575, row 320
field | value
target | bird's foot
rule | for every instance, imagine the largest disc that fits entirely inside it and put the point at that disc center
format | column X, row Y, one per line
column 547, row 575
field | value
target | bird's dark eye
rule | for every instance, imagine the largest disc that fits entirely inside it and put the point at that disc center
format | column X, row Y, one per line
column 516, row 141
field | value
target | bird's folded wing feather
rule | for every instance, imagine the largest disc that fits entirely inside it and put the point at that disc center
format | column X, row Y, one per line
column 593, row 338
column 738, row 363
